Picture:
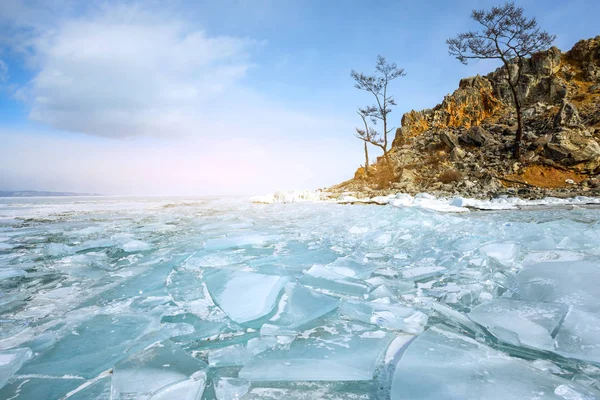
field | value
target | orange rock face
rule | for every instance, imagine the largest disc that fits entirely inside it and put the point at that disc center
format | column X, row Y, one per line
column 483, row 98
column 470, row 105
column 473, row 103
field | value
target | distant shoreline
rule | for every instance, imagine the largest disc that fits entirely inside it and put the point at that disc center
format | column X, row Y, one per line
column 40, row 193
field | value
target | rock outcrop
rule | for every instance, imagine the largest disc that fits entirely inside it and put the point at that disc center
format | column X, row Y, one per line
column 473, row 103
column 470, row 134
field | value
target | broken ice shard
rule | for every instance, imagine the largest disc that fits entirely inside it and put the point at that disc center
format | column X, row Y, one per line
column 535, row 323
column 571, row 283
column 579, row 336
column 244, row 296
column 185, row 286
column 339, row 358
column 458, row 320
column 231, row 388
column 8, row 273
column 390, row 316
column 440, row 364
column 163, row 371
column 260, row 344
column 351, row 268
column 202, row 329
column 300, row 305
column 11, row 361
column 505, row 254
column 322, row 277
column 233, row 241
column 422, row 273
column 229, row 356
column 91, row 348
column 574, row 284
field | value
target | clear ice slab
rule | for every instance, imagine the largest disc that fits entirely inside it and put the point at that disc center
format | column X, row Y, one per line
column 300, row 305
column 244, row 296
column 202, row 329
column 422, row 272
column 579, row 336
column 321, row 277
column 11, row 361
column 440, row 364
column 235, row 241
column 351, row 268
column 163, row 371
column 572, row 283
column 328, row 357
column 91, row 348
column 534, row 323
column 37, row 388
column 231, row 388
column 229, row 356
column 505, row 254
column 389, row 316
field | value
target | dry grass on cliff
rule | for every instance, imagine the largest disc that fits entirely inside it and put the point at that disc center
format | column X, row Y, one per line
column 582, row 95
column 450, row 176
column 383, row 177
column 545, row 177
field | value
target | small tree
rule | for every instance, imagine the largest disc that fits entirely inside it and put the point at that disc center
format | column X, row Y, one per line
column 369, row 134
column 506, row 34
column 364, row 136
column 377, row 85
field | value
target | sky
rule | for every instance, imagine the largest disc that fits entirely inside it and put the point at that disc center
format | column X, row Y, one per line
column 219, row 97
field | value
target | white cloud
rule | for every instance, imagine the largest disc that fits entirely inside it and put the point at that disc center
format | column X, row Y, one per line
column 125, row 71
column 179, row 97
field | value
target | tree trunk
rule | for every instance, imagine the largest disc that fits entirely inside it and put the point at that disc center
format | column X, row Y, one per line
column 366, row 159
column 386, row 156
column 519, row 137
column 385, row 135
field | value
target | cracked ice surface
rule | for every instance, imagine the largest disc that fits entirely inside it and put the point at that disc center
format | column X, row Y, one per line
column 219, row 298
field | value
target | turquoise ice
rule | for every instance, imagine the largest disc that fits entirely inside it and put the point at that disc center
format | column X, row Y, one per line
column 218, row 298
column 441, row 364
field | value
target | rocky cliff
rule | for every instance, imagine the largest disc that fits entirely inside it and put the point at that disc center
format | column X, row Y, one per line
column 463, row 145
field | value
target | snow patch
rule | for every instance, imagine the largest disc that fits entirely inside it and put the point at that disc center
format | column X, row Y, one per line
column 424, row 201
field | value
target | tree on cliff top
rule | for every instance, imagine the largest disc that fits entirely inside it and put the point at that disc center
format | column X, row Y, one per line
column 366, row 135
column 377, row 85
column 507, row 35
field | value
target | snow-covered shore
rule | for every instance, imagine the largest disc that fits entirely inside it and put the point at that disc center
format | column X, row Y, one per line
column 425, row 201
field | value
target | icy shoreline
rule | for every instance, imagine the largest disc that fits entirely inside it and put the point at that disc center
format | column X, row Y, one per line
column 426, row 201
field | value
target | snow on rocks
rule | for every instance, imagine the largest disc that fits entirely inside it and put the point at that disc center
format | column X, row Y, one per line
column 290, row 197
column 426, row 201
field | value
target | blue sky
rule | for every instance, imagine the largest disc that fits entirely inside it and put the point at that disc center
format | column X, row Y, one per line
column 205, row 97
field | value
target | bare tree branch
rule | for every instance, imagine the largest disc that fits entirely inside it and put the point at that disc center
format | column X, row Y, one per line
column 508, row 35
column 377, row 85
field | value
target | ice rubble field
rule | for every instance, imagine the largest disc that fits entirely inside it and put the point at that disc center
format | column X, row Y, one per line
column 224, row 299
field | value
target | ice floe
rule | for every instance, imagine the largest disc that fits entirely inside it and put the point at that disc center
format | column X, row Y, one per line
column 11, row 361
column 221, row 298
column 244, row 296
column 321, row 358
column 445, row 365
column 162, row 371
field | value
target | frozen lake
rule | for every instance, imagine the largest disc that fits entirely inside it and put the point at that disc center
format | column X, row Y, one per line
column 218, row 298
